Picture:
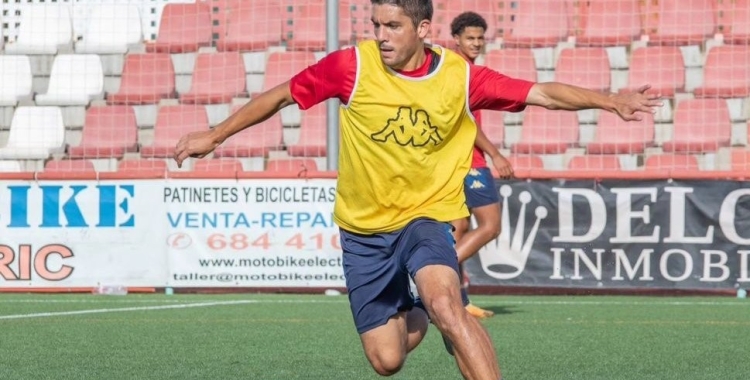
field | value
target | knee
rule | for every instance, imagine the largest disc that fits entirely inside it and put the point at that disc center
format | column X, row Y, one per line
column 445, row 312
column 387, row 363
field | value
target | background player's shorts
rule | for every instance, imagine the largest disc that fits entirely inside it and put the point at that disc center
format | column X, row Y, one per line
column 479, row 187
column 377, row 267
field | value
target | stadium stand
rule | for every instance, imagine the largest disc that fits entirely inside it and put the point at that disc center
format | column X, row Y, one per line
column 292, row 165
column 662, row 67
column 608, row 23
column 252, row 26
column 671, row 161
column 312, row 136
column 146, row 79
column 594, row 162
column 306, row 23
column 183, row 28
column 76, row 79
column 218, row 165
column 172, row 122
column 493, row 126
column 727, row 72
column 547, row 132
column 615, row 136
column 35, row 133
column 15, row 77
column 44, row 28
column 111, row 29
column 516, row 63
column 679, row 22
column 217, row 78
column 584, row 67
column 65, row 166
column 733, row 21
column 108, row 132
column 533, row 23
column 257, row 141
column 700, row 125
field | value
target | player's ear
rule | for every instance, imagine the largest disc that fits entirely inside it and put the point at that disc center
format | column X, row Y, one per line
column 423, row 28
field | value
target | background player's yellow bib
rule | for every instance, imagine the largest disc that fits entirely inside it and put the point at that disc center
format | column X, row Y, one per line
column 406, row 145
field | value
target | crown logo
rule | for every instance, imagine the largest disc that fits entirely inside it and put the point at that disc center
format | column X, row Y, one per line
column 505, row 257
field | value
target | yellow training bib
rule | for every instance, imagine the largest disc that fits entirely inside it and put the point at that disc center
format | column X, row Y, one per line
column 406, row 145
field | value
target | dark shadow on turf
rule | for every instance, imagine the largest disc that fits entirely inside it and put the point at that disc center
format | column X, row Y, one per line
column 501, row 309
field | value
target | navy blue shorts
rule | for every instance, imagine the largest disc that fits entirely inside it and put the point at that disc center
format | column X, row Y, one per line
column 479, row 187
column 377, row 268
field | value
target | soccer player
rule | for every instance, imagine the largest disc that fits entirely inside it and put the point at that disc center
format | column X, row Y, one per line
column 406, row 140
column 468, row 30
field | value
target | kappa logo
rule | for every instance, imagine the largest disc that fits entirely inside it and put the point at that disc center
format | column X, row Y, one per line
column 409, row 127
column 477, row 185
column 505, row 257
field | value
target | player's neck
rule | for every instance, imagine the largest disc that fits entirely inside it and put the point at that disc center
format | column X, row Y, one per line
column 415, row 62
column 467, row 58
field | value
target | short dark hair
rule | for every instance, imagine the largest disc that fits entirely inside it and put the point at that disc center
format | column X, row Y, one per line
column 466, row 20
column 416, row 10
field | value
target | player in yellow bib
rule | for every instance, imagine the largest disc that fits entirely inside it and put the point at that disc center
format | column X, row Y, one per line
column 406, row 143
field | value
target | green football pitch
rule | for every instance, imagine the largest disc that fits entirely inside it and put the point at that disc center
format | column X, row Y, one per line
column 280, row 337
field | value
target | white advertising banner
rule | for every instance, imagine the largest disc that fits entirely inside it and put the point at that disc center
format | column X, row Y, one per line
column 176, row 232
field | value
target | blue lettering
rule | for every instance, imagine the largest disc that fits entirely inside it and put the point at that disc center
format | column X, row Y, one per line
column 174, row 222
column 210, row 220
column 51, row 207
column 302, row 218
column 242, row 221
column 19, row 200
column 268, row 217
column 286, row 220
column 191, row 220
column 319, row 219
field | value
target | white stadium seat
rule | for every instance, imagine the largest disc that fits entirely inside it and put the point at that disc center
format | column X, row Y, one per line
column 75, row 80
column 111, row 28
column 43, row 28
column 10, row 166
column 15, row 79
column 35, row 133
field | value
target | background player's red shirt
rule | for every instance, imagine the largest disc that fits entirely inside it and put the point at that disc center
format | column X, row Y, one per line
column 334, row 76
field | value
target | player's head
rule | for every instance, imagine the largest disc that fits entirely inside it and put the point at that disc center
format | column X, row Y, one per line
column 400, row 27
column 468, row 30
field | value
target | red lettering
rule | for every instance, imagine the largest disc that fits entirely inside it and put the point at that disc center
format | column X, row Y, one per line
column 6, row 257
column 41, row 267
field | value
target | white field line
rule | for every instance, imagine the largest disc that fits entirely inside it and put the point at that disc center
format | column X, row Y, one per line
column 125, row 309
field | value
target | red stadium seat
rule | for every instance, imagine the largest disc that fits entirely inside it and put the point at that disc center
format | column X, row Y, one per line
column 146, row 79
column 108, row 131
column 608, row 22
column 532, row 23
column 671, row 162
column 291, row 165
column 616, row 136
column 66, row 166
column 256, row 141
column 679, row 22
column 252, row 26
column 515, row 63
column 740, row 159
column 282, row 66
column 218, row 165
column 727, row 72
column 142, row 164
column 312, row 134
column 525, row 162
column 547, row 132
column 594, row 162
column 183, row 28
column 308, row 22
column 660, row 66
column 733, row 21
column 172, row 122
column 493, row 126
column 700, row 125
column 217, row 78
column 584, row 67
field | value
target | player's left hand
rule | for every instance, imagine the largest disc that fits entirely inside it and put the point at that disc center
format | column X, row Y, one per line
column 503, row 167
column 194, row 144
column 629, row 105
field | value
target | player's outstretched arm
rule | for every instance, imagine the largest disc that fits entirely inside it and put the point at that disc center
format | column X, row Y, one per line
column 559, row 96
column 200, row 144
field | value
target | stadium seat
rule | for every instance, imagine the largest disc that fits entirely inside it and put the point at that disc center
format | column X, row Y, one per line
column 282, row 65
column 493, row 126
column 8, row 166
column 218, row 165
column 679, row 22
column 727, row 72
column 700, row 125
column 146, row 79
column 75, row 80
column 217, row 78
column 525, row 162
column 532, row 23
column 308, row 22
column 547, row 132
column 671, row 162
column 312, row 134
column 740, row 159
column 515, row 63
column 256, row 141
column 296, row 165
column 252, row 26
column 15, row 79
column 733, row 23
column 34, row 133
column 183, row 28
column 172, row 122
column 361, row 24
column 111, row 29
column 608, row 22
column 584, row 67
column 595, row 163
column 446, row 11
column 660, row 66
column 616, row 136
column 43, row 28
column 66, row 166
column 142, row 164
column 108, row 132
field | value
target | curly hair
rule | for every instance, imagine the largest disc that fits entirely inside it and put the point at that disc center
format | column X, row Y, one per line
column 466, row 20
column 416, row 10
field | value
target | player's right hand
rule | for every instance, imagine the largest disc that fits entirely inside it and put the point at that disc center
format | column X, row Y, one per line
column 194, row 144
column 503, row 167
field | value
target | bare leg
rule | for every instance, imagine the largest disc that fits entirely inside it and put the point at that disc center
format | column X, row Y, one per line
column 488, row 228
column 386, row 346
column 439, row 289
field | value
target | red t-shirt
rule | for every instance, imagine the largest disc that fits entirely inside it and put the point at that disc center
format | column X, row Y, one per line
column 334, row 77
